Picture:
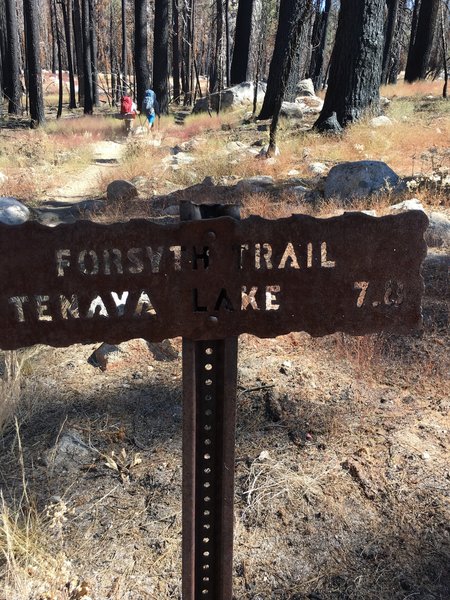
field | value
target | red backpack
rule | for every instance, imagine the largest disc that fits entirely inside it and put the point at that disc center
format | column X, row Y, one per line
column 126, row 105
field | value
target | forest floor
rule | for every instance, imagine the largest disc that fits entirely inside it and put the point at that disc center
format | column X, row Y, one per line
column 342, row 447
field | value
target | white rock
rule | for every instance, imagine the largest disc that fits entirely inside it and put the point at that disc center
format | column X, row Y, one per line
column 359, row 179
column 13, row 212
column 425, row 456
column 438, row 233
column 255, row 184
column 311, row 105
column 306, row 88
column 3, row 178
column 230, row 97
column 236, row 147
column 413, row 204
column 293, row 173
column 381, row 121
column 265, row 455
column 371, row 213
column 291, row 110
column 317, row 168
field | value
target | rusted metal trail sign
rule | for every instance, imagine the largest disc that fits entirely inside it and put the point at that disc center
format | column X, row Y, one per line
column 209, row 281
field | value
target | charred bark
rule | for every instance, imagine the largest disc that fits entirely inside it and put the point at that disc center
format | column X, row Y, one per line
column 124, row 48
column 87, row 56
column 355, row 72
column 13, row 88
column 79, row 53
column 161, row 54
column 319, row 39
column 239, row 63
column 140, row 49
column 290, row 26
column 67, row 17
column 176, row 52
column 422, row 46
column 32, row 44
column 390, row 30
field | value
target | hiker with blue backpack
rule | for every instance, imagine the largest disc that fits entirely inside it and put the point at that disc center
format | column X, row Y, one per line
column 150, row 107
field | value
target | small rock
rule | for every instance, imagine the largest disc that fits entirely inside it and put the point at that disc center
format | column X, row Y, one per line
column 293, row 173
column 121, row 190
column 317, row 168
column 104, row 356
column 438, row 233
column 413, row 204
column 13, row 212
column 255, row 184
column 384, row 102
column 264, row 455
column 3, row 178
column 70, row 452
column 306, row 88
column 425, row 456
column 291, row 110
column 236, row 147
column 381, row 121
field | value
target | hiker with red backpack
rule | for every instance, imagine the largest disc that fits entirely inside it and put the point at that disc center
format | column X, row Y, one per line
column 150, row 107
column 128, row 111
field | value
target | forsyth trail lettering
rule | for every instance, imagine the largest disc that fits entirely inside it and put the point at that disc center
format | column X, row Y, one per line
column 89, row 282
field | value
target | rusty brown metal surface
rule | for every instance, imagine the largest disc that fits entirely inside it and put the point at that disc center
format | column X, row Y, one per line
column 209, row 279
column 209, row 406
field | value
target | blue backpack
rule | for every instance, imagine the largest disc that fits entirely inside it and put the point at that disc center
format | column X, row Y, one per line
column 149, row 102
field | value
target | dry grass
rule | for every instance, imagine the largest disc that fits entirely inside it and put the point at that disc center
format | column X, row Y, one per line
column 402, row 89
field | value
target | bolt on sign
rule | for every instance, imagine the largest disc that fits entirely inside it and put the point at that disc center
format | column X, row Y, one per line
column 209, row 281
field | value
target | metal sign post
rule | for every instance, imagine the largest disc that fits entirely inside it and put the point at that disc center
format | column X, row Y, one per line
column 209, row 279
column 209, row 415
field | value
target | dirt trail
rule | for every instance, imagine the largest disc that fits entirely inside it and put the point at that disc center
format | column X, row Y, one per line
column 107, row 155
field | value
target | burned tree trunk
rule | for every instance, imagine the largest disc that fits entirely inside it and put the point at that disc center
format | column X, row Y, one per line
column 32, row 44
column 319, row 39
column 161, row 54
column 390, row 29
column 422, row 46
column 176, row 52
column 239, row 63
column 355, row 72
column 87, row 55
column 290, row 26
column 140, row 49
column 13, row 88
column 124, row 48
column 78, row 37
column 67, row 17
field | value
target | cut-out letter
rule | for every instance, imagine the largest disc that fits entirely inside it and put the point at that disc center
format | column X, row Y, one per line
column 176, row 250
column 69, row 307
column 144, row 305
column 324, row 262
column 93, row 259
column 361, row 285
column 156, row 255
column 134, row 255
column 17, row 303
column 42, row 308
column 120, row 302
column 97, row 303
column 248, row 299
column 271, row 290
column 112, row 258
column 62, row 261
column 289, row 254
